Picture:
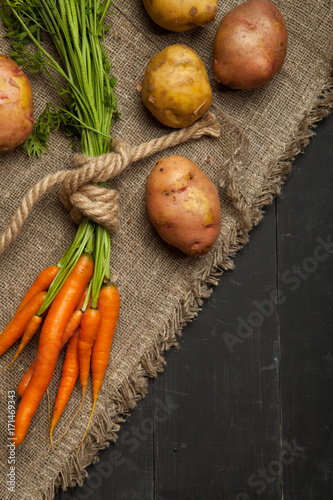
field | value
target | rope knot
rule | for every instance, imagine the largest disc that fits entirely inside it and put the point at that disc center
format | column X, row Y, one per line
column 83, row 199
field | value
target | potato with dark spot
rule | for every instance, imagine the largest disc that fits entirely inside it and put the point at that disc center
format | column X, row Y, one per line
column 183, row 205
column 16, row 105
column 250, row 45
column 177, row 15
column 176, row 88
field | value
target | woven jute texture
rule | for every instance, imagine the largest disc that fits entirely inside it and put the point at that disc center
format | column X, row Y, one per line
column 261, row 133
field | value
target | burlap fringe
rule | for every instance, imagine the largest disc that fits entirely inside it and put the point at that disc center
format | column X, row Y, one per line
column 135, row 386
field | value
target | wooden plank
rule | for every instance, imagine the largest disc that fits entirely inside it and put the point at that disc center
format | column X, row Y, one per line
column 305, row 263
column 224, row 385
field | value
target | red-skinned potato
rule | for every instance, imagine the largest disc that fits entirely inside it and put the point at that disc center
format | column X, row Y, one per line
column 250, row 45
column 16, row 105
column 183, row 205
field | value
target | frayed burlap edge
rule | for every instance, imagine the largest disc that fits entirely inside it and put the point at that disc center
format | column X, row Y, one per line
column 135, row 386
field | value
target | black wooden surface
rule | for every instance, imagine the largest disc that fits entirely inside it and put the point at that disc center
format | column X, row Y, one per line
column 243, row 410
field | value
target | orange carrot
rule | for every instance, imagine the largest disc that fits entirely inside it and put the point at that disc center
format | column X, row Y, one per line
column 75, row 320
column 89, row 328
column 69, row 375
column 29, row 332
column 88, row 331
column 15, row 328
column 71, row 327
column 54, row 325
column 108, row 304
column 42, row 283
column 23, row 383
column 83, row 298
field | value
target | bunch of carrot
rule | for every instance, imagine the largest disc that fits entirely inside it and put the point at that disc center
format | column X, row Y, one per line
column 76, row 303
column 58, row 300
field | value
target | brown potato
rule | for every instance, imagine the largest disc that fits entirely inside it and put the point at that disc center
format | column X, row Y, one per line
column 176, row 15
column 16, row 105
column 176, row 87
column 250, row 45
column 183, row 205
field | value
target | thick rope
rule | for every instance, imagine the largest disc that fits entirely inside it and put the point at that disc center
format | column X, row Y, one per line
column 81, row 198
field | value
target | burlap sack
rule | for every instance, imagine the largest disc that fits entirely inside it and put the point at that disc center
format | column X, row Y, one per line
column 261, row 133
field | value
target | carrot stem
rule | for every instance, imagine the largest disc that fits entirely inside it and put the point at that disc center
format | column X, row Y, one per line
column 84, row 237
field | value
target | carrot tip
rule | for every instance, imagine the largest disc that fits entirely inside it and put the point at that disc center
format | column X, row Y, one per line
column 71, row 421
column 88, row 425
column 51, row 440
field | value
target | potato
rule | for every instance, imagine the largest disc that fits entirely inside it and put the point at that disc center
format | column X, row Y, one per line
column 16, row 105
column 183, row 205
column 176, row 15
column 176, row 87
column 250, row 45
